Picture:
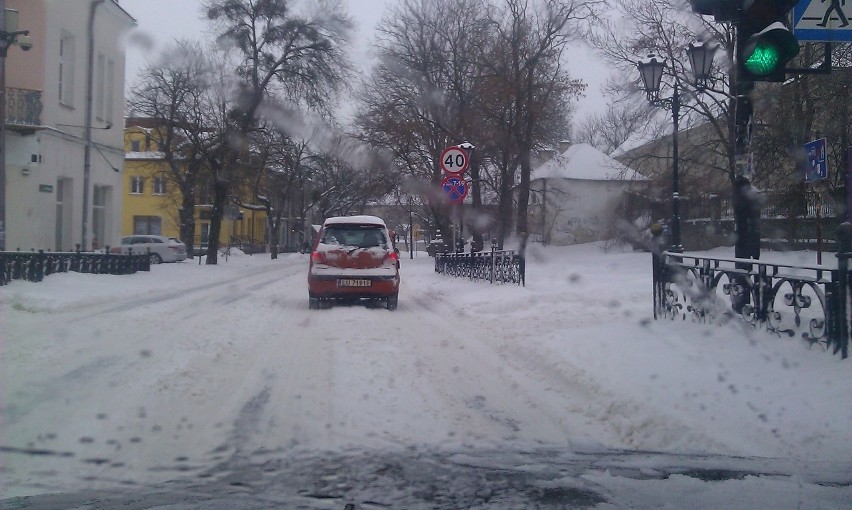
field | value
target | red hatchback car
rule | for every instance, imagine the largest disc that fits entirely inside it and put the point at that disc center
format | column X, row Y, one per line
column 353, row 258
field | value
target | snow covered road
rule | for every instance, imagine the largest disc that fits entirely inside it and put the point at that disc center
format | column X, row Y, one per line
column 194, row 371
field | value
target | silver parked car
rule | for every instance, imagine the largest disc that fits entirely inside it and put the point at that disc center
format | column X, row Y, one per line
column 160, row 248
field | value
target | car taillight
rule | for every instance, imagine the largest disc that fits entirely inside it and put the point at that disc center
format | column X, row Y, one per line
column 392, row 257
column 318, row 257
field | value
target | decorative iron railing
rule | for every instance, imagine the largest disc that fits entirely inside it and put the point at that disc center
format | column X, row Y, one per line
column 23, row 107
column 789, row 300
column 503, row 266
column 34, row 266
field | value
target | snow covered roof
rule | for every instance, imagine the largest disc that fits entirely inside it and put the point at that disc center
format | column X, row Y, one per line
column 582, row 161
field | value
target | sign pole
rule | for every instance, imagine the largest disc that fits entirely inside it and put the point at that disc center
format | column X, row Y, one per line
column 848, row 168
column 819, row 225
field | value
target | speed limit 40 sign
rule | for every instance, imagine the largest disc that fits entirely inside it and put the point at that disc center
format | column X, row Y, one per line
column 454, row 160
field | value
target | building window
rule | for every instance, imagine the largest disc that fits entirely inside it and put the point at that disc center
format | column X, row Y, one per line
column 137, row 185
column 100, row 77
column 160, row 185
column 146, row 225
column 99, row 204
column 66, row 68
column 110, row 88
column 135, row 146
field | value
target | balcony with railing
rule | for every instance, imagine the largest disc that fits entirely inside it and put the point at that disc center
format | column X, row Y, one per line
column 23, row 108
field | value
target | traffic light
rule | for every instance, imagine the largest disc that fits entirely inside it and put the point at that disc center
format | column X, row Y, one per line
column 764, row 43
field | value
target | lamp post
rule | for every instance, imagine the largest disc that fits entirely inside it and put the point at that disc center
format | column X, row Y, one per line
column 651, row 69
column 410, row 228
column 9, row 35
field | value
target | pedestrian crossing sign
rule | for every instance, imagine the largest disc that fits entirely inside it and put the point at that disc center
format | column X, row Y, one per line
column 822, row 21
column 817, row 166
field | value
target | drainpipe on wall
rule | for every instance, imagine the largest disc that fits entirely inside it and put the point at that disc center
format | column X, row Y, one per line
column 87, row 158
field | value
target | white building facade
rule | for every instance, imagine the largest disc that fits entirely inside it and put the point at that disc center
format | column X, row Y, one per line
column 65, row 148
column 580, row 196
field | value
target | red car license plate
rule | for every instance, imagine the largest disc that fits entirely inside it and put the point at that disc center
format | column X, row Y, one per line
column 353, row 282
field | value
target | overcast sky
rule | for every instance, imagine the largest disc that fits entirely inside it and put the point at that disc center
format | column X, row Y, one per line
column 162, row 21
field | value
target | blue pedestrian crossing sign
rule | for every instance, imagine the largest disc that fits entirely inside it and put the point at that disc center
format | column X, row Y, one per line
column 817, row 166
column 823, row 21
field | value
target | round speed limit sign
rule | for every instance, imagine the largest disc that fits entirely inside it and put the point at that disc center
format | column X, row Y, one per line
column 454, row 160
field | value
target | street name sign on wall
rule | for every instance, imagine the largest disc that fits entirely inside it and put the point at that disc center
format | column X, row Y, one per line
column 817, row 165
column 823, row 21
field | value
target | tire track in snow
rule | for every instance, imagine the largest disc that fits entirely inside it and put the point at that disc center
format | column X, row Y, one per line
column 489, row 403
column 190, row 294
column 539, row 394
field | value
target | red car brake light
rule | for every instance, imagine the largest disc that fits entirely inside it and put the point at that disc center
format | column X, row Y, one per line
column 318, row 257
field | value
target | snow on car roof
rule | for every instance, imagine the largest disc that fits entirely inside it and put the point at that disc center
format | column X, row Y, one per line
column 361, row 219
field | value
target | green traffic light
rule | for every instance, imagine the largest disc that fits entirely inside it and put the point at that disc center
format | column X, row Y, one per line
column 764, row 59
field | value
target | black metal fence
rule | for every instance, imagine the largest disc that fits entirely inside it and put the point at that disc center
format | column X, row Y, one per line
column 497, row 266
column 789, row 300
column 34, row 266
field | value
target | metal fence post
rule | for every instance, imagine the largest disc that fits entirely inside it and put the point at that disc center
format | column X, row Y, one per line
column 761, row 295
column 493, row 261
column 40, row 261
column 844, row 241
column 18, row 267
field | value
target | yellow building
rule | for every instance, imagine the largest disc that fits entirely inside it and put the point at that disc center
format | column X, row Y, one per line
column 151, row 197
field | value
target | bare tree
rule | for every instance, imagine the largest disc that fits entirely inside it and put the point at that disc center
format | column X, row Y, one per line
column 171, row 98
column 619, row 124
column 300, row 56
column 532, row 88
column 421, row 96
column 665, row 28
column 282, row 170
column 342, row 183
column 456, row 70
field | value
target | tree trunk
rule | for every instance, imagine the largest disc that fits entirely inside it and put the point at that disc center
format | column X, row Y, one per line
column 476, row 200
column 524, row 192
column 220, row 194
column 274, row 239
column 274, row 223
column 186, row 216
column 504, row 209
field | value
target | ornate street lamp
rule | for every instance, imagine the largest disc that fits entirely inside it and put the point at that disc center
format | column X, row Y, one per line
column 651, row 70
column 701, row 55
